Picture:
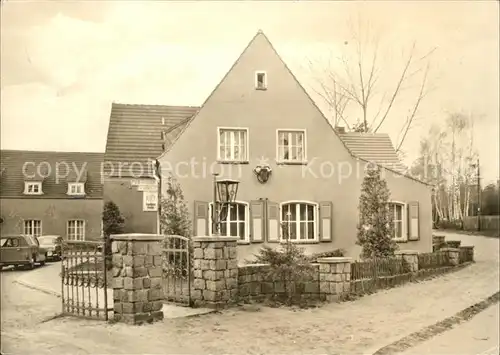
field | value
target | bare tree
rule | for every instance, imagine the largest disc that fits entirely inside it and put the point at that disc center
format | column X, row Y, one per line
column 446, row 157
column 359, row 83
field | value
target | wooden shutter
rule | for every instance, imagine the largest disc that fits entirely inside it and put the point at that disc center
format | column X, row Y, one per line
column 273, row 222
column 201, row 218
column 257, row 221
column 325, row 221
column 413, row 221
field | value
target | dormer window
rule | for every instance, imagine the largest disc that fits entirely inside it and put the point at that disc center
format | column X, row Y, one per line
column 76, row 188
column 33, row 188
column 260, row 80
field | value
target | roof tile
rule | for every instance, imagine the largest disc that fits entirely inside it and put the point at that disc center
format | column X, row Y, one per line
column 54, row 169
column 135, row 136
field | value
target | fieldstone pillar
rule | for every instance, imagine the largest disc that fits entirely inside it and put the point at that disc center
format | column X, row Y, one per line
column 469, row 253
column 438, row 241
column 453, row 255
column 334, row 277
column 137, row 278
column 215, row 269
column 410, row 257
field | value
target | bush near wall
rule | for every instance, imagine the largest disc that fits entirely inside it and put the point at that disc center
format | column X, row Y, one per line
column 327, row 254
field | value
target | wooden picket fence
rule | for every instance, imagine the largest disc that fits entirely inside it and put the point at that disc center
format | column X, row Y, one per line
column 433, row 260
column 371, row 275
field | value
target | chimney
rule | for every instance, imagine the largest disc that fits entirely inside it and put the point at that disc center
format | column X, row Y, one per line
column 340, row 130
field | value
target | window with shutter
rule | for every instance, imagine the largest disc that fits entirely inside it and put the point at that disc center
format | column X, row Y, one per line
column 398, row 212
column 301, row 220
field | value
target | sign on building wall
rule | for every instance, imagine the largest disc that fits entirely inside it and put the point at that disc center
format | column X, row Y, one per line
column 143, row 182
column 147, row 188
column 150, row 201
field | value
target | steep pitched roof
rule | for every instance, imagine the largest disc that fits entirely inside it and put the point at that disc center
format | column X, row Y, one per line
column 53, row 169
column 383, row 153
column 373, row 147
column 135, row 135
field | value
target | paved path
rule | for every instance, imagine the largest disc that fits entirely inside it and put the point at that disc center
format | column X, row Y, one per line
column 346, row 328
column 480, row 335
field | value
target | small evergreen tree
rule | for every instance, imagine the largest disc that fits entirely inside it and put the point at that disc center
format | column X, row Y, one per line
column 175, row 220
column 112, row 223
column 375, row 228
column 288, row 263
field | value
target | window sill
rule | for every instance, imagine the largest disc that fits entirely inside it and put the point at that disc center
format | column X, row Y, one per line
column 402, row 240
column 291, row 162
column 261, row 89
column 33, row 194
column 76, row 195
column 243, row 242
column 233, row 162
column 301, row 241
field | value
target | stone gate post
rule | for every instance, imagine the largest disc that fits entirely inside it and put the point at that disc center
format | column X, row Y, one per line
column 137, row 278
column 410, row 257
column 215, row 269
column 334, row 277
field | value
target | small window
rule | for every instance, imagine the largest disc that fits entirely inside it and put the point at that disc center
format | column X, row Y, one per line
column 233, row 145
column 33, row 188
column 260, row 80
column 299, row 221
column 291, row 146
column 33, row 227
column 76, row 188
column 76, row 229
column 397, row 211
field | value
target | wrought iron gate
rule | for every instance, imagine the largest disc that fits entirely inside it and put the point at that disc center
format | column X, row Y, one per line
column 84, row 283
column 177, row 269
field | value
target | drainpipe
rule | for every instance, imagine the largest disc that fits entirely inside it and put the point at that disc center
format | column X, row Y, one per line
column 157, row 176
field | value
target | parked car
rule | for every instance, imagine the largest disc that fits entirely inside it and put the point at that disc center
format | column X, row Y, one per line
column 53, row 245
column 21, row 250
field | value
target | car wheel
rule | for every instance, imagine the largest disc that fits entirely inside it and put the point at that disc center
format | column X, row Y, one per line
column 31, row 265
column 42, row 263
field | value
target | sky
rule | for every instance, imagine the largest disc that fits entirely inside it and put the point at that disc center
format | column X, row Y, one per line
column 63, row 63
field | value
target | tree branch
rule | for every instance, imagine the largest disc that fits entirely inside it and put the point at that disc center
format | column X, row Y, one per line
column 410, row 120
column 396, row 91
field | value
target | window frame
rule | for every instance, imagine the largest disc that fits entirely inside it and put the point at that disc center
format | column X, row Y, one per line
column 27, row 184
column 256, row 76
column 76, row 184
column 32, row 221
column 279, row 160
column 83, row 229
column 247, row 221
column 247, row 148
column 315, row 220
column 404, row 221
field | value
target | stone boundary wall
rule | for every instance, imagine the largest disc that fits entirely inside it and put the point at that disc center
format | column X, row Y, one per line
column 219, row 282
column 255, row 284
column 331, row 280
